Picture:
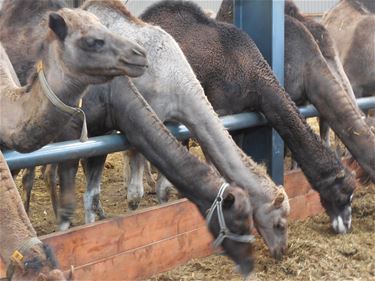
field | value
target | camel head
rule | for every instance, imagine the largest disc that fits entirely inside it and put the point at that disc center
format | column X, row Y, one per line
column 237, row 216
column 39, row 265
column 88, row 51
column 337, row 201
column 271, row 221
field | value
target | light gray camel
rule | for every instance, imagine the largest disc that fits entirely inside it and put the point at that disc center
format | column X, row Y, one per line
column 232, row 71
column 230, row 207
column 29, row 120
column 351, row 24
column 170, row 85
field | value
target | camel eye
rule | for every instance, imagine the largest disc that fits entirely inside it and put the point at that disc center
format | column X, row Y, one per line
column 92, row 44
column 280, row 227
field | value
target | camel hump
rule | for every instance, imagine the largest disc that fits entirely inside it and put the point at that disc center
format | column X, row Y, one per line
column 185, row 9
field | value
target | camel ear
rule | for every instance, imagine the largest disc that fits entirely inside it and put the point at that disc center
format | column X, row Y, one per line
column 279, row 198
column 58, row 25
column 228, row 201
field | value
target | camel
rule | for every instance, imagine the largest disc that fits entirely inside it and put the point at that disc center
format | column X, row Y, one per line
column 230, row 219
column 30, row 120
column 169, row 90
column 97, row 56
column 358, row 137
column 351, row 24
column 302, row 86
column 17, row 232
column 232, row 71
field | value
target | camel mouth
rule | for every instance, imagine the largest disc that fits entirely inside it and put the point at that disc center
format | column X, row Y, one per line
column 245, row 268
column 341, row 226
column 142, row 63
column 342, row 222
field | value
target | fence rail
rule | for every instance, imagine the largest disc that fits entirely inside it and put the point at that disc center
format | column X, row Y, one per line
column 63, row 151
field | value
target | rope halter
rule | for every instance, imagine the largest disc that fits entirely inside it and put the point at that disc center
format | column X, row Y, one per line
column 224, row 230
column 58, row 103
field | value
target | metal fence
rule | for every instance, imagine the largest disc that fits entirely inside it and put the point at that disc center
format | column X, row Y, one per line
column 68, row 150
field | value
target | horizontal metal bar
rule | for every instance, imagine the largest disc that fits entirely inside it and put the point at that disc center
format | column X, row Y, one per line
column 68, row 150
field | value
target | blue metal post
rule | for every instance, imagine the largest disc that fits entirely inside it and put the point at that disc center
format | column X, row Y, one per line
column 263, row 20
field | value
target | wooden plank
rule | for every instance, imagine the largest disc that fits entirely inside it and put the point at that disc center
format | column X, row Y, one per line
column 304, row 206
column 296, row 184
column 89, row 243
column 151, row 259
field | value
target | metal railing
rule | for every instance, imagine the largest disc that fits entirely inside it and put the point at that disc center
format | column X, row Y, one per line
column 68, row 150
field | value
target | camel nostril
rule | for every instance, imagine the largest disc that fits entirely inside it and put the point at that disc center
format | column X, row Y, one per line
column 139, row 52
column 278, row 254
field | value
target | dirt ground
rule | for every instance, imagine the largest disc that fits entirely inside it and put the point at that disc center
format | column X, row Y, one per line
column 314, row 253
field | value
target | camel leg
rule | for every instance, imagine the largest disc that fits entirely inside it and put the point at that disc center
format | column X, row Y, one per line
column 324, row 132
column 49, row 173
column 93, row 167
column 135, row 188
column 27, row 183
column 163, row 188
column 148, row 174
column 67, row 171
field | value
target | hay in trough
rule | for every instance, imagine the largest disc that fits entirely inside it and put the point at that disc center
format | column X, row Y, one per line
column 314, row 253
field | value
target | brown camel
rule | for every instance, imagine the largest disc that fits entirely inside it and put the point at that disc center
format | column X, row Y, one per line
column 351, row 24
column 16, row 230
column 76, row 51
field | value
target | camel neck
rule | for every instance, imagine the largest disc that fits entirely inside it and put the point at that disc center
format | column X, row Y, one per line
column 31, row 119
column 14, row 224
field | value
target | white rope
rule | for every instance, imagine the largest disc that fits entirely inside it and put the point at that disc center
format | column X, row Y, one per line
column 224, row 231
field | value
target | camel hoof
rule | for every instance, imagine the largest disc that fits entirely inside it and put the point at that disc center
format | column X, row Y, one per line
column 64, row 225
column 102, row 216
column 134, row 204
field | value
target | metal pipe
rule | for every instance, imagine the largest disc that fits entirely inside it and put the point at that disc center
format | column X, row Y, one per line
column 63, row 151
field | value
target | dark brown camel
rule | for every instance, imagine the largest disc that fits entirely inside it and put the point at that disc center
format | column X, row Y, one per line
column 29, row 120
column 232, row 71
column 201, row 185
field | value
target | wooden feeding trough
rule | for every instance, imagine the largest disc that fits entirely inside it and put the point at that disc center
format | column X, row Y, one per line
column 153, row 240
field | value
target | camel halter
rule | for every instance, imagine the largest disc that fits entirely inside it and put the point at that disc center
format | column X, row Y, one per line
column 224, row 230
column 217, row 204
column 58, row 103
